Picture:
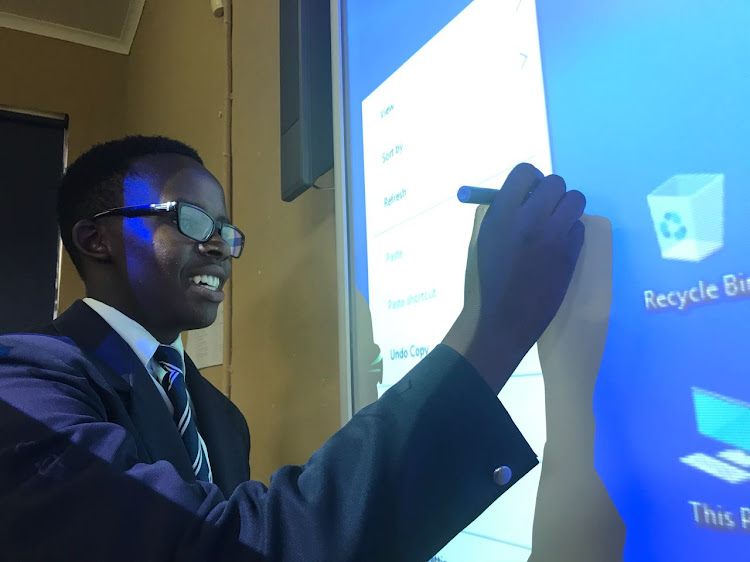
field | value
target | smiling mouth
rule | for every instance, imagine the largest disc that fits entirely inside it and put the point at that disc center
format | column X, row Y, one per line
column 208, row 281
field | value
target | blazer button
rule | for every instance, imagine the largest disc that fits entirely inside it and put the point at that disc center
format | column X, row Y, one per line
column 502, row 475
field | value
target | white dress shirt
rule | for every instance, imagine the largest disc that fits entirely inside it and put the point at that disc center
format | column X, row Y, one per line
column 144, row 345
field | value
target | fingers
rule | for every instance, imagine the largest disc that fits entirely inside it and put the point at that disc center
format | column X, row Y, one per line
column 539, row 196
column 570, row 208
column 521, row 180
column 575, row 239
column 545, row 198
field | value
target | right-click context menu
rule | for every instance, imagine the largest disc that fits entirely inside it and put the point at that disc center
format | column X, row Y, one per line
column 463, row 110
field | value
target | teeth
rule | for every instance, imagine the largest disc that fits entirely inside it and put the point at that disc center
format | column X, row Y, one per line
column 210, row 281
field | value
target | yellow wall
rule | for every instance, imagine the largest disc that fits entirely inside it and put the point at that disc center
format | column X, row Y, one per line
column 284, row 320
column 176, row 78
column 49, row 75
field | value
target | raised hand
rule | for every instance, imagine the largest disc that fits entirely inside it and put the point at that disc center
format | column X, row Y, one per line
column 521, row 258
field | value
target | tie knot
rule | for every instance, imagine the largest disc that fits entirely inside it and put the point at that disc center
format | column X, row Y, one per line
column 169, row 359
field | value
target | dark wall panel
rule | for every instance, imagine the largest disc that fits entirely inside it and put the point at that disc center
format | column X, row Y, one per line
column 31, row 164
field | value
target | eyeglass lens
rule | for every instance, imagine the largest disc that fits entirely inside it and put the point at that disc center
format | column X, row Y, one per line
column 197, row 224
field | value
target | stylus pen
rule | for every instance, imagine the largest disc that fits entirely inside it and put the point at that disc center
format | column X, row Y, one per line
column 476, row 195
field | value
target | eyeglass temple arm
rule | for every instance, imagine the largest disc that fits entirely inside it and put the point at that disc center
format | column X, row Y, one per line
column 138, row 210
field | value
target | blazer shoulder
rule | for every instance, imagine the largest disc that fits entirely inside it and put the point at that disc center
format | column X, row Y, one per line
column 38, row 347
column 54, row 358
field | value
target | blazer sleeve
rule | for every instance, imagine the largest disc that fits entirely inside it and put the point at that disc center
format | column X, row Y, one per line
column 396, row 483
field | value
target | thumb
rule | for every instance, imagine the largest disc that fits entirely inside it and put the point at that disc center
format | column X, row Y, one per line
column 471, row 287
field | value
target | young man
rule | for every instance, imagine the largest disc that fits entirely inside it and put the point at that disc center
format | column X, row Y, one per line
column 113, row 447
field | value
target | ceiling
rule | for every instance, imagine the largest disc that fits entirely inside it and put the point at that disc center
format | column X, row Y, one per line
column 104, row 24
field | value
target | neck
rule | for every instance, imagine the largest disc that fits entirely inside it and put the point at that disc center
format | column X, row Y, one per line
column 131, row 309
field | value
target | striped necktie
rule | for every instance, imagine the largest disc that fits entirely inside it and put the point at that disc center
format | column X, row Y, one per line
column 174, row 385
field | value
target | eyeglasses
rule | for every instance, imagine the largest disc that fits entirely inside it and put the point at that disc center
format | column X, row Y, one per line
column 191, row 221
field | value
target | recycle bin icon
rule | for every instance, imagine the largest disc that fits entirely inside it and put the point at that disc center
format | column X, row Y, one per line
column 688, row 215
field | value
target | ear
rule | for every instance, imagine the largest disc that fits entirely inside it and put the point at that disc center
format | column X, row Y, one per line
column 91, row 240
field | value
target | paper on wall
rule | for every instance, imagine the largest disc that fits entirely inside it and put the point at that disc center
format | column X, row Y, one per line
column 206, row 346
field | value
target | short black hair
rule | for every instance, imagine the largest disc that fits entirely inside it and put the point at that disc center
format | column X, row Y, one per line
column 94, row 182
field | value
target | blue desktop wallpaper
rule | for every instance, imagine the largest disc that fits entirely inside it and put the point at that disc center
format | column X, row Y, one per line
column 637, row 93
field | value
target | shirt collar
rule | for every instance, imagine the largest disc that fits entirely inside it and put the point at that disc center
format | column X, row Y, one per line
column 136, row 336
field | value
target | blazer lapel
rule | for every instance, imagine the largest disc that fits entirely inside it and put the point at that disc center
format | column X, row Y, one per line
column 228, row 452
column 155, row 430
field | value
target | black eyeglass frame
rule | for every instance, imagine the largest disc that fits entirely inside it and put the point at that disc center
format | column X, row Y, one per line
column 172, row 207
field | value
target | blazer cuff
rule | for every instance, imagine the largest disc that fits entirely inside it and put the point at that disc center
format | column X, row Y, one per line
column 484, row 451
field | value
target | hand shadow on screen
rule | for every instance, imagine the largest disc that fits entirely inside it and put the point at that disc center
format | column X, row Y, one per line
column 575, row 518
column 368, row 358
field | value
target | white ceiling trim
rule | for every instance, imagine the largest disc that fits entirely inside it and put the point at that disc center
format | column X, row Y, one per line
column 120, row 44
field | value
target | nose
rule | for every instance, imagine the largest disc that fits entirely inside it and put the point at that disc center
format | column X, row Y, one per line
column 215, row 246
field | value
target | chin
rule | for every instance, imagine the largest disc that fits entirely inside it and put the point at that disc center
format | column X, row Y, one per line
column 201, row 318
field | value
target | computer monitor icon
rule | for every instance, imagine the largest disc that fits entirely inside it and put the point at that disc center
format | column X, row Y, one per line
column 726, row 420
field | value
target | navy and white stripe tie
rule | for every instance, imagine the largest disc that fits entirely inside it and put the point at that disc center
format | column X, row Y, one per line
column 174, row 385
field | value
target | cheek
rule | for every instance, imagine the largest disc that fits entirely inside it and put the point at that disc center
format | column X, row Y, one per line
column 137, row 243
column 155, row 260
column 169, row 259
column 139, row 260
